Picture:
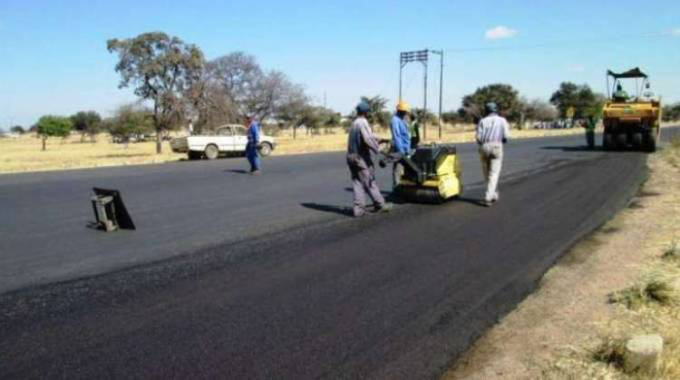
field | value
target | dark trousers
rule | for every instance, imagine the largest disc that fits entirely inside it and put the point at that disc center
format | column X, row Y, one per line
column 590, row 138
column 253, row 157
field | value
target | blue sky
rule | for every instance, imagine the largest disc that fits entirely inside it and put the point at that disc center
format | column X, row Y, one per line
column 54, row 57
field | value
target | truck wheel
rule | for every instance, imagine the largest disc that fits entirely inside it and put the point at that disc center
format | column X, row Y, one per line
column 607, row 141
column 621, row 141
column 265, row 149
column 637, row 140
column 211, row 152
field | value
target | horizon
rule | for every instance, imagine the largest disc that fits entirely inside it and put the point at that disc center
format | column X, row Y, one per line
column 56, row 62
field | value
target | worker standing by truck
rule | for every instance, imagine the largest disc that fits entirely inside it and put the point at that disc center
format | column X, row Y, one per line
column 492, row 132
column 401, row 140
column 360, row 144
column 253, row 134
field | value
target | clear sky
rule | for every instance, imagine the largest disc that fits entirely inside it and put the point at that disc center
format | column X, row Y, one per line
column 53, row 57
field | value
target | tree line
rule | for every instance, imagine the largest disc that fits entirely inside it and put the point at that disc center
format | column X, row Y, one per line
column 176, row 86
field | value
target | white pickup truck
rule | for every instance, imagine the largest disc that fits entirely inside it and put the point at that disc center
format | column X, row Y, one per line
column 228, row 139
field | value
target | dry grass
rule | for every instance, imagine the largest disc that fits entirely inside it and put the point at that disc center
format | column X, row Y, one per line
column 567, row 329
column 672, row 153
column 653, row 290
column 24, row 154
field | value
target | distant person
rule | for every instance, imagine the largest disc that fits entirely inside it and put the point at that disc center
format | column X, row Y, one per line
column 401, row 140
column 620, row 95
column 360, row 143
column 492, row 132
column 253, row 134
column 590, row 125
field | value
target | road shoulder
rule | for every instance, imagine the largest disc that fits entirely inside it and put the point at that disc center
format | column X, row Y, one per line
column 555, row 331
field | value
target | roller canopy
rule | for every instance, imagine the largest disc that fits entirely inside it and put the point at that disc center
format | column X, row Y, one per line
column 633, row 73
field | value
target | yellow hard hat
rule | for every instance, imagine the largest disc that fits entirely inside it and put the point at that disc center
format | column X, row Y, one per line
column 403, row 106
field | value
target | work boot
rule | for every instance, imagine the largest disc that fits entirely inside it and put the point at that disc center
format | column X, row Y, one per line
column 385, row 207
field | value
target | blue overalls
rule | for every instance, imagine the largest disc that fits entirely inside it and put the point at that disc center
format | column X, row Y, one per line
column 251, row 147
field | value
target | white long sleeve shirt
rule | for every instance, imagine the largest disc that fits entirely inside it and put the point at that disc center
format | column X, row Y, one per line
column 492, row 129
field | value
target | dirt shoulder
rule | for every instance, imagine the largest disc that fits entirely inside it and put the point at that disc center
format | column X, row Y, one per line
column 561, row 330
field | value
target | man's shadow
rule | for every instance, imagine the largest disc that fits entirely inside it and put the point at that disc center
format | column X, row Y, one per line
column 237, row 171
column 345, row 211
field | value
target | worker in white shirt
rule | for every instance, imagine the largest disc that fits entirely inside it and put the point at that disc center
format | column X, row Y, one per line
column 492, row 132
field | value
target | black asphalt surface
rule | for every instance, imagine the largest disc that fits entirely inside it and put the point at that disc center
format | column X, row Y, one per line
column 233, row 276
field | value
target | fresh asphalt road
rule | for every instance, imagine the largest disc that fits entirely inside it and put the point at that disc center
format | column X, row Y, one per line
column 234, row 276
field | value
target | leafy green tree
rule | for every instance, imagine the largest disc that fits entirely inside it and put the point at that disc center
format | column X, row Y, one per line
column 87, row 123
column 18, row 129
column 161, row 69
column 580, row 98
column 130, row 121
column 504, row 95
column 53, row 126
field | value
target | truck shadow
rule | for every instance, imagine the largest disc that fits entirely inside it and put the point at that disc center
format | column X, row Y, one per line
column 574, row 148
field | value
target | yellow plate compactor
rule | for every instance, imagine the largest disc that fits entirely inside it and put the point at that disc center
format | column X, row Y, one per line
column 431, row 175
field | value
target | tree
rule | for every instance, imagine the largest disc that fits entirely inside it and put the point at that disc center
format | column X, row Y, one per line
column 250, row 90
column 87, row 124
column 451, row 117
column 581, row 99
column 295, row 109
column 130, row 121
column 18, row 129
column 161, row 69
column 671, row 112
column 539, row 110
column 53, row 126
column 504, row 95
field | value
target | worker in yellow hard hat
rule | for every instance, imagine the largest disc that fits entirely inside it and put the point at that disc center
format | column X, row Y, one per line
column 401, row 140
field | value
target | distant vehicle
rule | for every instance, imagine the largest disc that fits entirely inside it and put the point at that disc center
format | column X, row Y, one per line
column 228, row 140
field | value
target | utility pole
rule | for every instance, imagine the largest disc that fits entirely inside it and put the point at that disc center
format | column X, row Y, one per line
column 422, row 57
column 441, row 85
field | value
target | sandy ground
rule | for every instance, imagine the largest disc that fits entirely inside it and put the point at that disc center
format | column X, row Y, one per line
column 554, row 332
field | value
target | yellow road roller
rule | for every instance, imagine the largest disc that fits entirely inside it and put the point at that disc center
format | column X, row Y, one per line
column 631, row 121
column 432, row 174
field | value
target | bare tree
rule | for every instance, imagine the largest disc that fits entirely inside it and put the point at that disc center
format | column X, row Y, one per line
column 250, row 90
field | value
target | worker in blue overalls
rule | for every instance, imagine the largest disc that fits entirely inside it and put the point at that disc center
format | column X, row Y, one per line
column 401, row 140
column 253, row 134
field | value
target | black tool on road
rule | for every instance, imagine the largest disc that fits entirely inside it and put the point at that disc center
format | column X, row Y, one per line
column 109, row 211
